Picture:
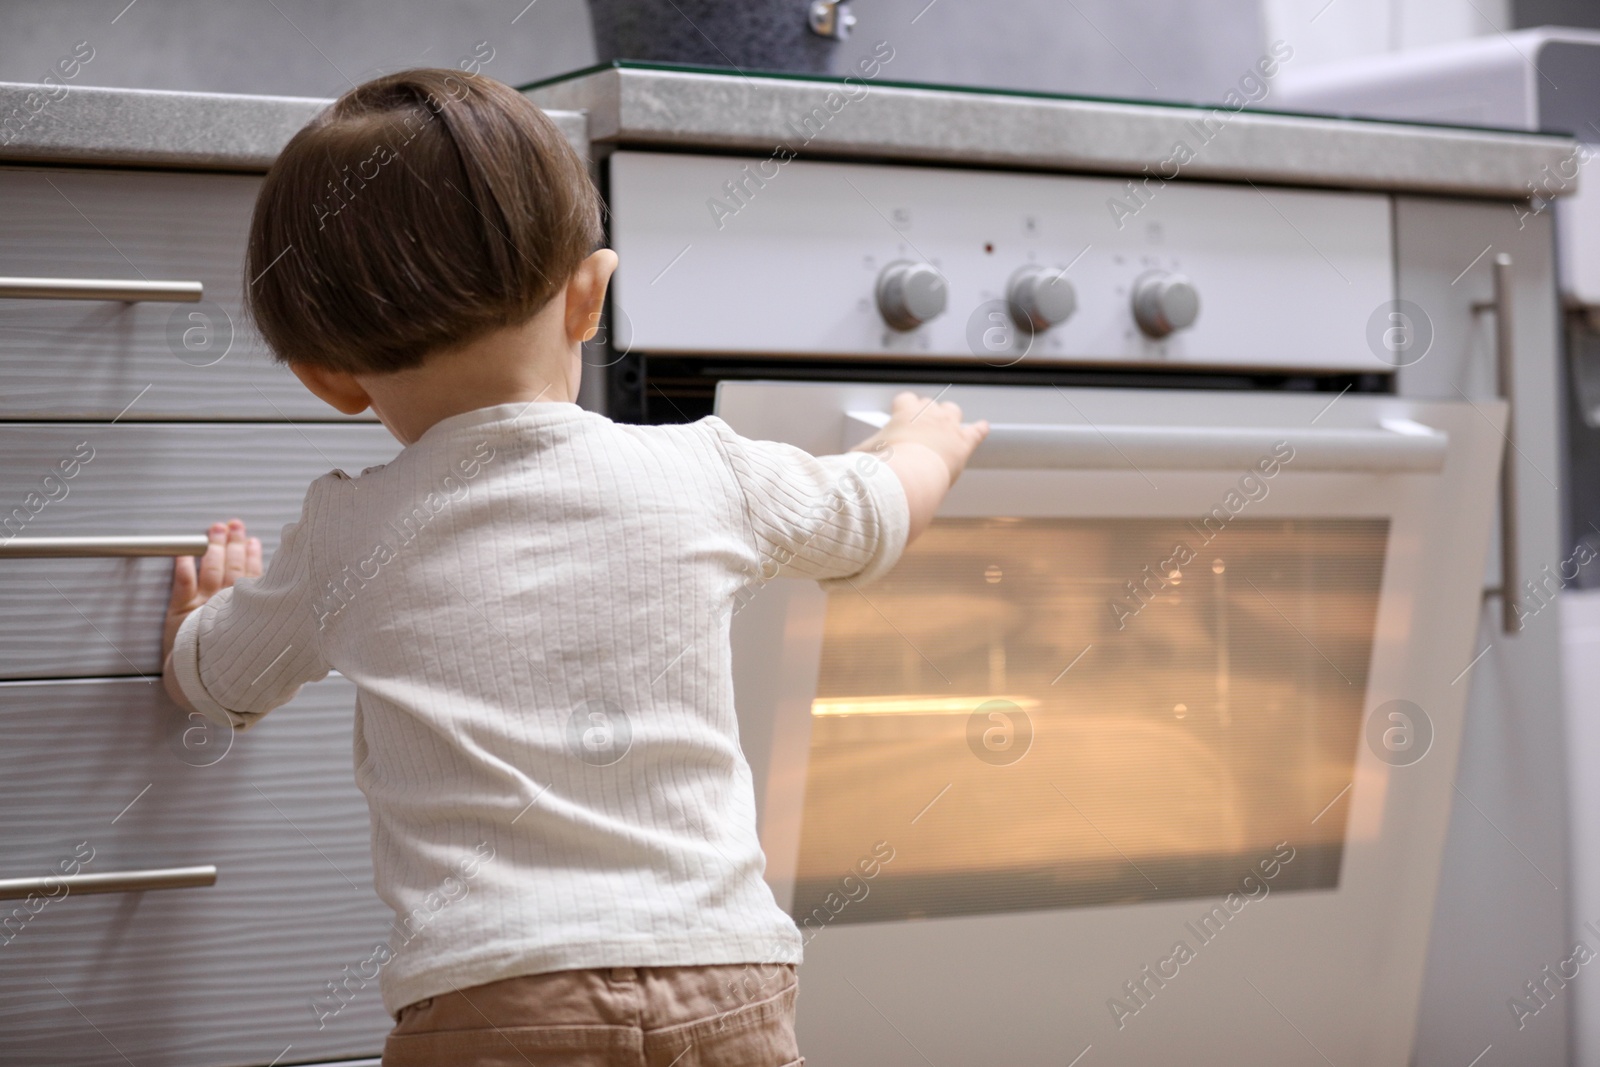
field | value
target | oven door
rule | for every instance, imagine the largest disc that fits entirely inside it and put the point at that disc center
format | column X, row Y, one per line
column 1145, row 749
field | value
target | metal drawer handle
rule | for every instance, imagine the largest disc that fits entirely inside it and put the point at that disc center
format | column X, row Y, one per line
column 1397, row 445
column 93, row 547
column 110, row 882
column 166, row 292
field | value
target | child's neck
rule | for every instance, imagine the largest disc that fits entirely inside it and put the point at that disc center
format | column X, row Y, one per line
column 532, row 363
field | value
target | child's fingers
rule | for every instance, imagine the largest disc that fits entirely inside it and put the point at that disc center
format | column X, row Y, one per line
column 234, row 554
column 213, row 562
column 252, row 558
column 183, row 583
column 905, row 403
column 971, row 434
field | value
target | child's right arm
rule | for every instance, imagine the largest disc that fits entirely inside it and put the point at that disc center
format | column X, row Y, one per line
column 847, row 518
column 927, row 446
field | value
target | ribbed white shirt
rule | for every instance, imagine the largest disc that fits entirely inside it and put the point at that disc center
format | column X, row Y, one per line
column 534, row 604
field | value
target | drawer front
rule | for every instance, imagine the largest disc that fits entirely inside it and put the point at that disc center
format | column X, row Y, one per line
column 228, row 973
column 77, row 618
column 91, row 358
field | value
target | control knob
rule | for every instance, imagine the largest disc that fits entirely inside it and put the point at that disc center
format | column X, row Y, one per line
column 1040, row 297
column 1164, row 302
column 909, row 294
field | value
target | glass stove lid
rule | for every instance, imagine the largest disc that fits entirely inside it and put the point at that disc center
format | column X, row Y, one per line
column 1033, row 94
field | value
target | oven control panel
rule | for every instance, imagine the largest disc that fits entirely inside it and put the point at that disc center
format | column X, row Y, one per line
column 767, row 256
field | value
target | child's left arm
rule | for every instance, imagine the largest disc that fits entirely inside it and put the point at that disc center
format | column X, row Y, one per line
column 240, row 640
column 231, row 555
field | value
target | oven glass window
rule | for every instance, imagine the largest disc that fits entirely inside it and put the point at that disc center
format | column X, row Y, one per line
column 1052, row 713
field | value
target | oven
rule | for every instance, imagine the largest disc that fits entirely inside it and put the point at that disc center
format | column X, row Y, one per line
column 1144, row 751
column 1162, row 679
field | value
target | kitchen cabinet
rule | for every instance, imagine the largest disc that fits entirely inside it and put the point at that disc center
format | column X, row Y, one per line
column 128, row 414
column 78, row 618
column 149, row 359
column 107, row 776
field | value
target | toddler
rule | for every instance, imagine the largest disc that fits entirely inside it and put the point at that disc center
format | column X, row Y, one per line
column 532, row 601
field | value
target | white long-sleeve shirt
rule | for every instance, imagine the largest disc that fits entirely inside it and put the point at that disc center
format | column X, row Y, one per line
column 534, row 603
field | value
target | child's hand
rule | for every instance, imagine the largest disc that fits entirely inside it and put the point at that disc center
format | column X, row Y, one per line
column 927, row 446
column 918, row 420
column 230, row 556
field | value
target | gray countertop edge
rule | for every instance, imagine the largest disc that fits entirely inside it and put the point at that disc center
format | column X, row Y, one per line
column 628, row 106
column 156, row 128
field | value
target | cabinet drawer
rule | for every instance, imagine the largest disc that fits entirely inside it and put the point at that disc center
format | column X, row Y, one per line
column 92, row 358
column 74, row 618
column 226, row 973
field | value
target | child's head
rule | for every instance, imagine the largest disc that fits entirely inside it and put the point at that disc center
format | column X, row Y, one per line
column 420, row 212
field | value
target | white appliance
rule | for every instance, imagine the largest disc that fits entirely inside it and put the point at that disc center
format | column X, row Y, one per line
column 1145, row 752
column 1091, row 711
column 1535, row 794
column 1544, row 79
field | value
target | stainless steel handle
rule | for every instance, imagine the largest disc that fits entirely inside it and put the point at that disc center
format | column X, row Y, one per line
column 1504, row 355
column 167, row 292
column 91, row 547
column 1397, row 445
column 1504, row 366
column 109, row 882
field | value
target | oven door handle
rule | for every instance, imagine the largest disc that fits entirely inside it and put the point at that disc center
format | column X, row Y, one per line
column 1395, row 446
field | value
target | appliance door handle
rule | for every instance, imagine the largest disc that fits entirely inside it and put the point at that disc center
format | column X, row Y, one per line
column 1505, row 361
column 110, row 882
column 1395, row 446
column 96, row 547
column 166, row 292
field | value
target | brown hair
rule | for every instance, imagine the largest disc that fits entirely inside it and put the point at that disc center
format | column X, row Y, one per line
column 420, row 211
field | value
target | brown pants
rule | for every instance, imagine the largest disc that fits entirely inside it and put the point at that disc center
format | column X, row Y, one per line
column 736, row 1015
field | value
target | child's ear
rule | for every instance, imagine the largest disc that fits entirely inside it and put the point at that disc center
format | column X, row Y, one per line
column 338, row 389
column 586, row 294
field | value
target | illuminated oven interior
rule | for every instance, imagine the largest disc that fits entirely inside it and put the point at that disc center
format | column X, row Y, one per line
column 1023, row 732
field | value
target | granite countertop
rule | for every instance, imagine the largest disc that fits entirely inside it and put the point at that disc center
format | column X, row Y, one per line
column 700, row 109
column 150, row 128
column 660, row 106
